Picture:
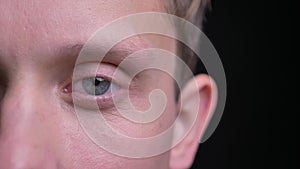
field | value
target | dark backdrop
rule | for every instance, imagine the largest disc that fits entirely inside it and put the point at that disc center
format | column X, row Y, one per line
column 251, row 37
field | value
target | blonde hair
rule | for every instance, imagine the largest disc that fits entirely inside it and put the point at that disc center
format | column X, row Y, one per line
column 193, row 11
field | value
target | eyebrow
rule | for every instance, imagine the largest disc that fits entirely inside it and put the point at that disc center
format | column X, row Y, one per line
column 115, row 55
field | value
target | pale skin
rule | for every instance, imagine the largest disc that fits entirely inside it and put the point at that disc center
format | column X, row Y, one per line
column 38, row 127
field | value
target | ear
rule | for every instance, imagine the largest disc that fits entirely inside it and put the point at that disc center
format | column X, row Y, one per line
column 183, row 154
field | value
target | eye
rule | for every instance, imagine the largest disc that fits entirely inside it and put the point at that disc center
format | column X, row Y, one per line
column 88, row 86
column 95, row 85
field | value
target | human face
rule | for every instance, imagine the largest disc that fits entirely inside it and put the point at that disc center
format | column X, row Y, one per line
column 39, row 43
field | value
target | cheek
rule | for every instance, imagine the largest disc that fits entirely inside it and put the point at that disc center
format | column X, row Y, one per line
column 72, row 146
column 161, row 121
column 74, row 149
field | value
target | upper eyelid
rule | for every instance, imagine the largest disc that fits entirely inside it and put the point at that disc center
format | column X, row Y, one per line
column 75, row 87
column 104, row 70
column 86, row 70
column 91, row 69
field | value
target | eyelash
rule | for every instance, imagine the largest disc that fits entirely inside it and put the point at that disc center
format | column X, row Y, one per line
column 69, row 87
column 74, row 89
column 86, row 100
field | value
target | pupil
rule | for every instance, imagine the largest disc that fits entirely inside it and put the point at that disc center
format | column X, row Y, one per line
column 98, row 81
column 96, row 85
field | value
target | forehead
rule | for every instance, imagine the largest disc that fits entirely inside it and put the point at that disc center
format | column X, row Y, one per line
column 31, row 26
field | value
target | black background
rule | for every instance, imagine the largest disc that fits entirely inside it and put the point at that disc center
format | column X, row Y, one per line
column 255, row 40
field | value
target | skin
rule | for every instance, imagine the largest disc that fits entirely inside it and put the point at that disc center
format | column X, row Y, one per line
column 38, row 49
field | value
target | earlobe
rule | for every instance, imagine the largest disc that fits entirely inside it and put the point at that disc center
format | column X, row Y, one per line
column 198, row 96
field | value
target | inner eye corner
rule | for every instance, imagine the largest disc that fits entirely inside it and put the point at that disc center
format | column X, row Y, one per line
column 65, row 86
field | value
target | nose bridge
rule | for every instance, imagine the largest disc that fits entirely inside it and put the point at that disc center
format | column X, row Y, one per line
column 23, row 139
column 20, row 105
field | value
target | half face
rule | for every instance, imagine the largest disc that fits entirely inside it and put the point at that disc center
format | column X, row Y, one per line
column 39, row 45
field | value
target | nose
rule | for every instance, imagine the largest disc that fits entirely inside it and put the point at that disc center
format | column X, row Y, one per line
column 24, row 140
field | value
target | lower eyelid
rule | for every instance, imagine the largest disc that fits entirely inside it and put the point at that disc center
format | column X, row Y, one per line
column 91, row 102
column 97, row 102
